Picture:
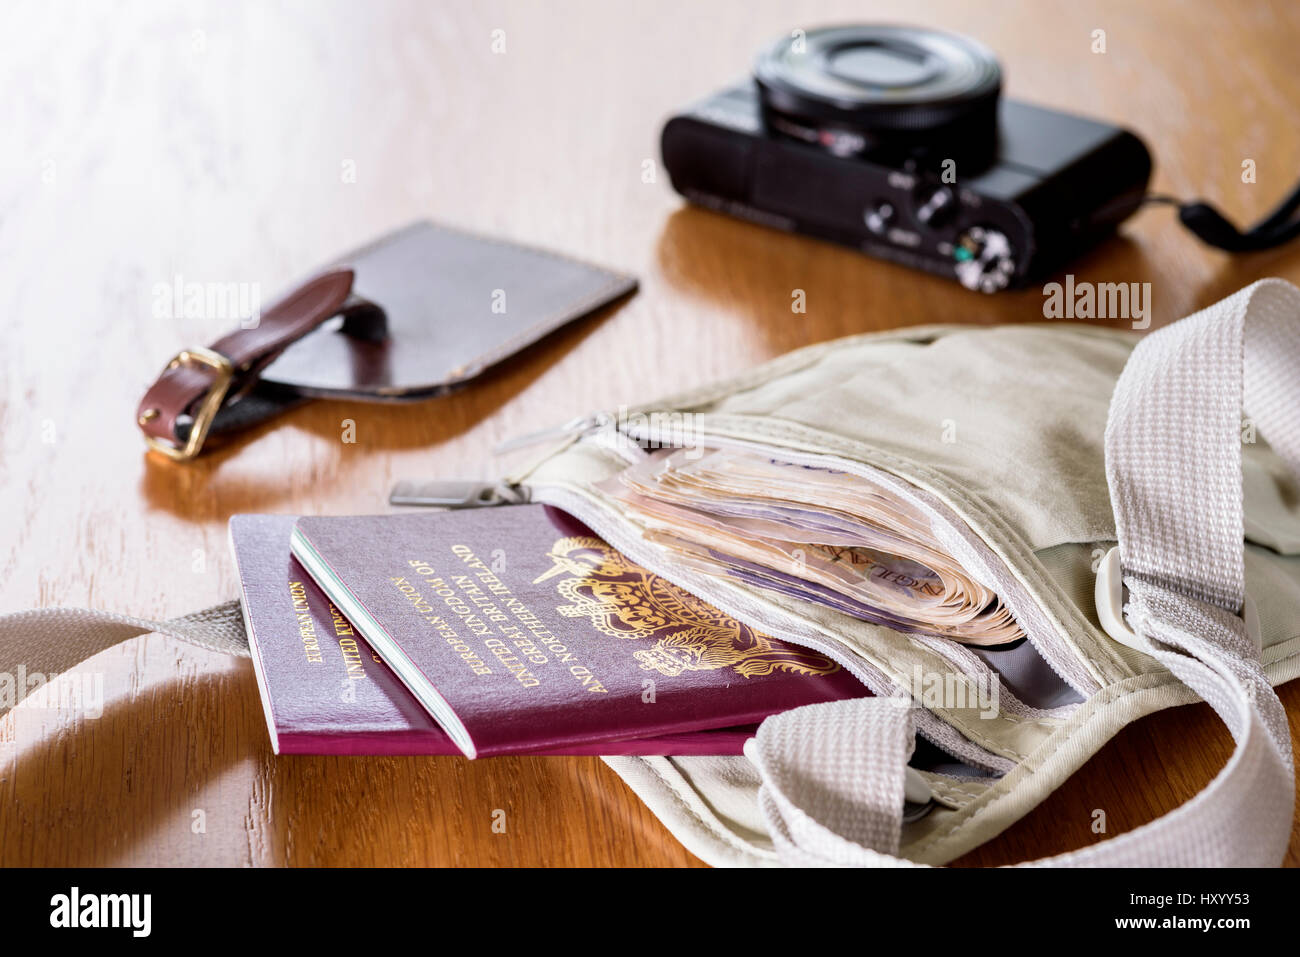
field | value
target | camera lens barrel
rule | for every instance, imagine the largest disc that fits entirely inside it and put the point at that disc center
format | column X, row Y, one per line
column 853, row 89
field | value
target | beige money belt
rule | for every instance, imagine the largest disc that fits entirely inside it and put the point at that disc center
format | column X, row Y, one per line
column 1164, row 618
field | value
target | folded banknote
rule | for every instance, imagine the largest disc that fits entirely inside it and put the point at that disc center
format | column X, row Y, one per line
column 819, row 534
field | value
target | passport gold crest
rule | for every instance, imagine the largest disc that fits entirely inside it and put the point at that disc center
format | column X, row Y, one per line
column 624, row 600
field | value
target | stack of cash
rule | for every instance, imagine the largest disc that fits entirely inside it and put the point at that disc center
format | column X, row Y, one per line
column 822, row 535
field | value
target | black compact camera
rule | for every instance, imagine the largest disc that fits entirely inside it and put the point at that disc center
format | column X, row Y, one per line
column 895, row 141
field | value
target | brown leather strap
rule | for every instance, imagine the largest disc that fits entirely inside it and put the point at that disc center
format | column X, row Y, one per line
column 167, row 412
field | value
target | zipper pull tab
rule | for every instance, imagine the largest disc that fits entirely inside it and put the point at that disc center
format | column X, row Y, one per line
column 574, row 427
column 457, row 494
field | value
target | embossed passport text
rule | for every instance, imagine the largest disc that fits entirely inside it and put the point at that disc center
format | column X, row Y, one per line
column 325, row 691
column 518, row 630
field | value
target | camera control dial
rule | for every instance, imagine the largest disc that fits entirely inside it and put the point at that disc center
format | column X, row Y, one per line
column 936, row 206
column 984, row 259
column 879, row 216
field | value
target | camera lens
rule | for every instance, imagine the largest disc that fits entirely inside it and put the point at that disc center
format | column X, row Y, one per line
column 855, row 89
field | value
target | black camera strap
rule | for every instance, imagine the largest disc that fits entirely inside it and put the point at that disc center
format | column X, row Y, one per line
column 1214, row 229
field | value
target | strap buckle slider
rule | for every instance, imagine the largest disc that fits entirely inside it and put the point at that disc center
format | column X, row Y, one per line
column 208, row 405
column 1108, row 593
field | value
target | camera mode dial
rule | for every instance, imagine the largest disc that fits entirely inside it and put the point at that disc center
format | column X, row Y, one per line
column 984, row 259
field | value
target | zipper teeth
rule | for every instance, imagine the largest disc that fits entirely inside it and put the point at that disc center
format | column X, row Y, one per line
column 590, row 510
column 574, row 427
column 703, row 436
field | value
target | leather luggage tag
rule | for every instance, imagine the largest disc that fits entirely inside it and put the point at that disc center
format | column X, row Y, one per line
column 416, row 314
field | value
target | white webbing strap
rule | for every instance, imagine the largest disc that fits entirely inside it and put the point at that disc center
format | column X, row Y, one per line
column 1173, row 461
column 833, row 779
column 52, row 640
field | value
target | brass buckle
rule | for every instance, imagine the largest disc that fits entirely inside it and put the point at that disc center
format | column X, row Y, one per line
column 207, row 410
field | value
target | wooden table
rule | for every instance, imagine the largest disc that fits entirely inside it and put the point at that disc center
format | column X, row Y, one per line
column 214, row 141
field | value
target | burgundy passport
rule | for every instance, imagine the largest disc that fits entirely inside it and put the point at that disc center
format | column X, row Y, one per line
column 325, row 692
column 518, row 630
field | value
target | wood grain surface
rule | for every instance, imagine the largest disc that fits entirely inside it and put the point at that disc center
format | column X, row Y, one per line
column 213, row 141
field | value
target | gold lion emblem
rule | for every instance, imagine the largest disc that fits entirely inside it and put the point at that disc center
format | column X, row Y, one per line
column 624, row 600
